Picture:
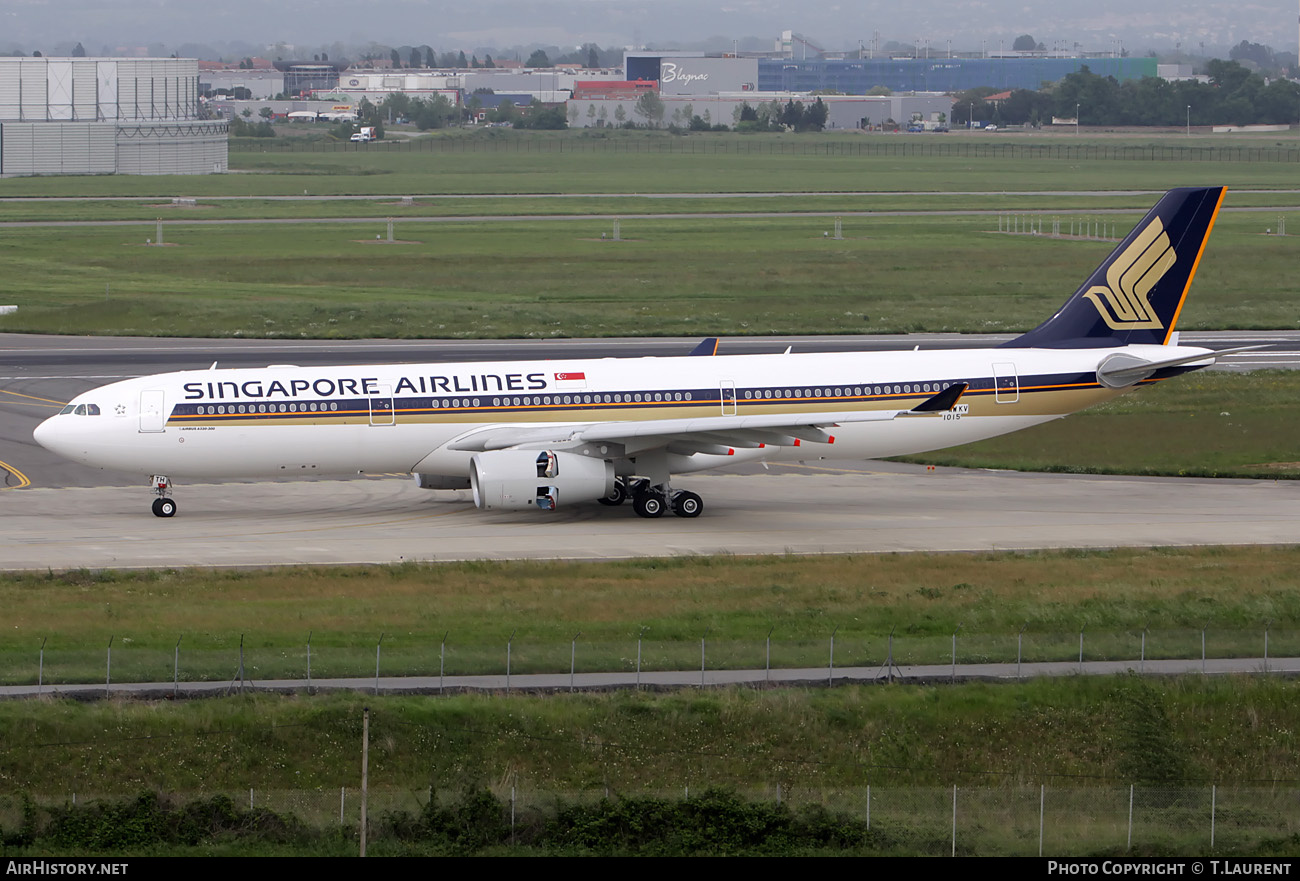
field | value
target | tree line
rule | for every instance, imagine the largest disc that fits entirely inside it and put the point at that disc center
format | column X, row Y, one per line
column 1233, row 96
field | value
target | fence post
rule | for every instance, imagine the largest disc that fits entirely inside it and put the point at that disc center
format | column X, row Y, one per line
column 108, row 667
column 954, row 652
column 241, row 663
column 342, row 790
column 573, row 661
column 1080, row 649
column 442, row 660
column 509, row 646
column 1214, row 792
column 1142, row 662
column 1203, row 629
column 1129, row 846
column 40, row 668
column 1020, row 643
column 1042, row 803
column 309, row 633
column 702, row 641
column 176, row 666
column 954, row 819
column 830, row 671
column 365, row 773
column 378, row 646
column 1267, row 624
column 767, row 665
column 639, row 636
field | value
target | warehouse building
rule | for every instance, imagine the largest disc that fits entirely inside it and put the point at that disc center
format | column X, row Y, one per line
column 685, row 73
column 860, row 75
column 106, row 116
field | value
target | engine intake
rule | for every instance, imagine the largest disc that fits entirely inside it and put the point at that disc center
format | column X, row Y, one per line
column 519, row 479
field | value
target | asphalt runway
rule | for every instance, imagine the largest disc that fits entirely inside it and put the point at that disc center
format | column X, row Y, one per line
column 808, row 509
column 54, row 514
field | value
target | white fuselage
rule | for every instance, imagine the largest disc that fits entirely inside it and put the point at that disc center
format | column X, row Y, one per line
column 280, row 421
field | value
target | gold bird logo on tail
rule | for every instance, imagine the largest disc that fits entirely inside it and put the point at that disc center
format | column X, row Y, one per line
column 1124, row 304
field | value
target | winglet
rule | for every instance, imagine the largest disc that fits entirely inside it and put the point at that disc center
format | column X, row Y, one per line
column 943, row 401
column 706, row 347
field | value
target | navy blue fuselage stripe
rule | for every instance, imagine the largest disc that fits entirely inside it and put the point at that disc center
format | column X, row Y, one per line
column 569, row 402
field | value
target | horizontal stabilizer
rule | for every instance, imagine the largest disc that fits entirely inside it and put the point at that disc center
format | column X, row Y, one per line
column 1119, row 369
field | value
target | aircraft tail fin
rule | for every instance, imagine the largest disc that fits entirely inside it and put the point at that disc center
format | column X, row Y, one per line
column 1135, row 295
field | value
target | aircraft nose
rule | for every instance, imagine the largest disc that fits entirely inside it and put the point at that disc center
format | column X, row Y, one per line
column 49, row 435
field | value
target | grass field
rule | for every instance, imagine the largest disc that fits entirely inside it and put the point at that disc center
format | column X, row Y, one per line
column 557, row 278
column 647, row 162
column 1202, row 425
column 679, row 275
column 1081, row 733
column 670, row 603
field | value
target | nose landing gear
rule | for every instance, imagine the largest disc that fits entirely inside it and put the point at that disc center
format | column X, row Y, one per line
column 164, row 505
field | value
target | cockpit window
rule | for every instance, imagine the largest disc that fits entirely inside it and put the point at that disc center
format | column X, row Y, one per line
column 81, row 409
column 68, row 409
column 92, row 409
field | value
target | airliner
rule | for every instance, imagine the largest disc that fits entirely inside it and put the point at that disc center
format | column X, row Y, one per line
column 544, row 435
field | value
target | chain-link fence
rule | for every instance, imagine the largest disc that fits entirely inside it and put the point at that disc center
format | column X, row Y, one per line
column 938, row 821
column 236, row 659
column 744, row 146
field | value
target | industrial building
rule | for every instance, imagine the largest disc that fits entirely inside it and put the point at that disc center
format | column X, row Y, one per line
column 716, row 88
column 106, row 116
column 697, row 73
column 859, row 75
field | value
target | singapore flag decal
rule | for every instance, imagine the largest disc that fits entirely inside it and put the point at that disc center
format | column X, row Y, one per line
column 570, row 379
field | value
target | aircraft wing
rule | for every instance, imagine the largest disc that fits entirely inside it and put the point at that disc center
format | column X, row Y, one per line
column 716, row 435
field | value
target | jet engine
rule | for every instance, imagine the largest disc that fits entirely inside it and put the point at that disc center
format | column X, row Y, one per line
column 521, row 479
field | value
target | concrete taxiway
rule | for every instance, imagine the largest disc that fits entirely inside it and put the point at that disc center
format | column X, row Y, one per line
column 809, row 509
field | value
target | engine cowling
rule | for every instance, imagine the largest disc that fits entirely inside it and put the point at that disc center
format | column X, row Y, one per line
column 519, row 479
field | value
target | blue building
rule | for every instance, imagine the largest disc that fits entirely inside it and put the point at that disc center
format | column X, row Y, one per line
column 858, row 76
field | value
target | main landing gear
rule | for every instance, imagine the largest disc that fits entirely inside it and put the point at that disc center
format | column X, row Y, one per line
column 164, row 505
column 653, row 501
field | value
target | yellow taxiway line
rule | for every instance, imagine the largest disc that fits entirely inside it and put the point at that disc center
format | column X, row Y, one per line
column 22, row 478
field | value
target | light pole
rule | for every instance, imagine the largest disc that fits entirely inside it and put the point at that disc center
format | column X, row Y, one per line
column 1076, row 120
column 1189, row 120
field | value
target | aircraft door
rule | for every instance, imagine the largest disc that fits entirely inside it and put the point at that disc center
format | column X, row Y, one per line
column 381, row 407
column 728, row 397
column 152, row 411
column 1006, row 383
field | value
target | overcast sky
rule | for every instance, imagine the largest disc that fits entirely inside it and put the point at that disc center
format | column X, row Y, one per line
column 834, row 24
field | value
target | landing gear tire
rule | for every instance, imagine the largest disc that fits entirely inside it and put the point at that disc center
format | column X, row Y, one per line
column 617, row 496
column 648, row 504
column 687, row 504
column 164, row 507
